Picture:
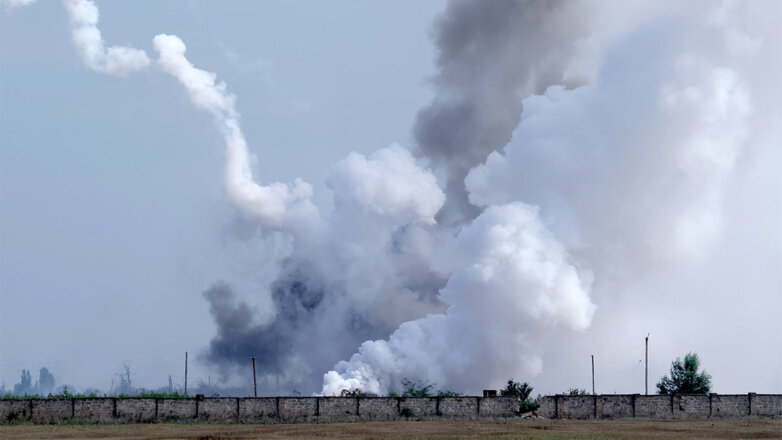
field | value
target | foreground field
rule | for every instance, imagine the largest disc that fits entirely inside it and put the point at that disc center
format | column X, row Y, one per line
column 516, row 429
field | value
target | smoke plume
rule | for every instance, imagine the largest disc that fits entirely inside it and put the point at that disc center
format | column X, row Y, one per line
column 490, row 57
column 583, row 156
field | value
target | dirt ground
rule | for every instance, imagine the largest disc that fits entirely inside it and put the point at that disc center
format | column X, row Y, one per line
column 517, row 429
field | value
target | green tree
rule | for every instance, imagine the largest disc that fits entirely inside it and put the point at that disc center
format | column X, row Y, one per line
column 685, row 378
column 520, row 390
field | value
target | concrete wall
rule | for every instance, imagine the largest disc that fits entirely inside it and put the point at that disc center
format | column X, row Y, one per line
column 333, row 409
column 660, row 407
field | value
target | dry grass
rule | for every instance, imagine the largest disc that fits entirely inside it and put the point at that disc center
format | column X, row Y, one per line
column 516, row 429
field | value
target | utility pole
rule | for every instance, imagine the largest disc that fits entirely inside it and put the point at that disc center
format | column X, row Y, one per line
column 255, row 383
column 185, row 373
column 646, row 366
column 593, row 375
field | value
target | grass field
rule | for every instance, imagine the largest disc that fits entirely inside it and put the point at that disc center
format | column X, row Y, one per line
column 517, row 429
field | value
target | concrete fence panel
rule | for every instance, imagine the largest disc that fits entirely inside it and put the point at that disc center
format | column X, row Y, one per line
column 338, row 409
column 657, row 407
column 100, row 410
column 497, row 407
column 615, row 407
column 258, row 410
column 378, row 408
column 46, row 411
column 297, row 409
column 691, row 406
column 548, row 407
column 729, row 405
column 136, row 410
column 177, row 410
column 766, row 404
column 465, row 408
column 418, row 407
column 576, row 407
column 219, row 409
column 14, row 411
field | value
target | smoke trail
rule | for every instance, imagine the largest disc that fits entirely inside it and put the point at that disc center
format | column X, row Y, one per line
column 277, row 205
column 117, row 60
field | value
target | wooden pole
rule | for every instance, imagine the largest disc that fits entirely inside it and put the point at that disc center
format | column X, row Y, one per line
column 185, row 373
column 593, row 374
column 255, row 383
column 646, row 367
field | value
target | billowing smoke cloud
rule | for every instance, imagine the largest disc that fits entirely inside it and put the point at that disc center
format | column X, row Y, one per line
column 116, row 60
column 510, row 279
column 586, row 153
column 629, row 174
column 491, row 55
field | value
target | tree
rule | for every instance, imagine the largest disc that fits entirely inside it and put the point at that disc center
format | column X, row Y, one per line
column 685, row 378
column 25, row 385
column 45, row 381
column 520, row 390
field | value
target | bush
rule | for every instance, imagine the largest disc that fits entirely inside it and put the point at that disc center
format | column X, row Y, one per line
column 576, row 392
column 412, row 388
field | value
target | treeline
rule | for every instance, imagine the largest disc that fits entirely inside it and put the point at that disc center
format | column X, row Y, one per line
column 122, row 385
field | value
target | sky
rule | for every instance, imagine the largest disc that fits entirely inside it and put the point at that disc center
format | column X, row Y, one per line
column 559, row 181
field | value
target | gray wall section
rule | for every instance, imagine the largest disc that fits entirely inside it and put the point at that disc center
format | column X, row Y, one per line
column 93, row 410
column 615, row 407
column 257, row 410
column 299, row 409
column 418, row 407
column 335, row 409
column 176, row 410
column 658, row 407
column 378, row 408
column 729, row 405
column 138, row 410
column 459, row 407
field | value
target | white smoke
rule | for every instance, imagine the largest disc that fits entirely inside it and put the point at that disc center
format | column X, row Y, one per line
column 277, row 205
column 629, row 173
column 510, row 278
column 604, row 189
column 117, row 60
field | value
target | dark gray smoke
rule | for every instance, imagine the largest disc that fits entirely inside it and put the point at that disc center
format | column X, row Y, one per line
column 314, row 327
column 491, row 55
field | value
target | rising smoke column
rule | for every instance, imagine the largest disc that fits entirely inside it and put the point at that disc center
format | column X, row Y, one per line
column 491, row 55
